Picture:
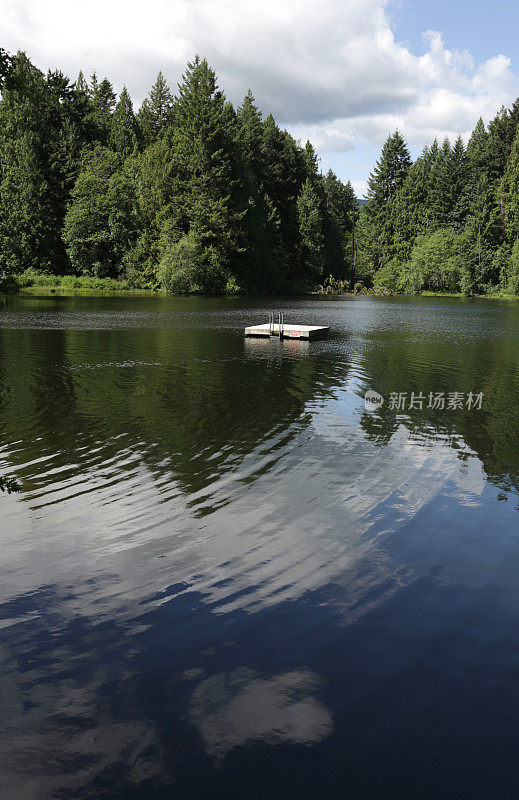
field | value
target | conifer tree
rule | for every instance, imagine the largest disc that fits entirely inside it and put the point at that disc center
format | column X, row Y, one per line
column 203, row 144
column 387, row 177
column 155, row 110
column 86, row 229
column 458, row 176
column 102, row 103
column 511, row 192
column 249, row 131
column 410, row 206
column 339, row 220
column 32, row 179
column 123, row 128
column 311, row 230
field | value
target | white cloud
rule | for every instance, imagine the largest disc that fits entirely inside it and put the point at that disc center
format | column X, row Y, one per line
column 330, row 70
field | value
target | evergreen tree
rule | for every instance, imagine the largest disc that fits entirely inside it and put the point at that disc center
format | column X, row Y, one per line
column 387, row 177
column 202, row 140
column 339, row 221
column 123, row 128
column 511, row 192
column 458, row 176
column 410, row 206
column 223, row 199
column 33, row 179
column 483, row 218
column 102, row 103
column 311, row 230
column 86, row 229
column 249, row 130
column 155, row 110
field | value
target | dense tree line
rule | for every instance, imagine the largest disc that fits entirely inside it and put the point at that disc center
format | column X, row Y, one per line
column 194, row 195
column 450, row 220
column 188, row 193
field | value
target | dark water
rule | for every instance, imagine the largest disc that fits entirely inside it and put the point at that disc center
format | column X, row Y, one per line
column 223, row 578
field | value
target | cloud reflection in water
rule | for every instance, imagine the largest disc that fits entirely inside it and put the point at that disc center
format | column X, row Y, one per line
column 233, row 708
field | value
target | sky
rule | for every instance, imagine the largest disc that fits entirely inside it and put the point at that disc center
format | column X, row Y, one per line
column 342, row 73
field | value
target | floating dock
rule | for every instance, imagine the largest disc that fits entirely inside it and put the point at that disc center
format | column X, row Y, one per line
column 289, row 330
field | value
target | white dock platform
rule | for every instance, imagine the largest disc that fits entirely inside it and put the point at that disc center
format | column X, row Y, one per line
column 288, row 330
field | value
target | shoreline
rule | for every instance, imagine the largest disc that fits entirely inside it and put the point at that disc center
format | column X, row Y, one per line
column 61, row 291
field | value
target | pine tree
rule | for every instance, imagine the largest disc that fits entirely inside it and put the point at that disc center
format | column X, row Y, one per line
column 458, row 176
column 339, row 220
column 249, row 130
column 311, row 161
column 203, row 144
column 33, row 178
column 102, row 103
column 511, row 192
column 81, row 85
column 438, row 196
column 123, row 127
column 311, row 230
column 483, row 223
column 410, row 206
column 387, row 177
column 155, row 110
column 284, row 170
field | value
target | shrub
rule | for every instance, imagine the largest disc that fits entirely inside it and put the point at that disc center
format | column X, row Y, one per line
column 232, row 287
column 436, row 263
column 388, row 277
column 32, row 278
column 179, row 266
column 334, row 286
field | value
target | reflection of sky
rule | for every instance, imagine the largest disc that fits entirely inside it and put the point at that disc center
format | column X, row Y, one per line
column 126, row 612
column 239, row 707
column 240, row 556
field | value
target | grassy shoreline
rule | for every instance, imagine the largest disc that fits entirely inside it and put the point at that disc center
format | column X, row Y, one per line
column 60, row 291
column 63, row 291
column 31, row 283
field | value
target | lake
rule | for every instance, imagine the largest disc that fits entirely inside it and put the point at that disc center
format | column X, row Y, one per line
column 223, row 577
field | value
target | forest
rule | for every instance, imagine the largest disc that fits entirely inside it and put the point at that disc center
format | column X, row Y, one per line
column 191, row 195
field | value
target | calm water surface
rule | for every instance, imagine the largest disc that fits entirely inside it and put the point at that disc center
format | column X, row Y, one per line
column 223, row 578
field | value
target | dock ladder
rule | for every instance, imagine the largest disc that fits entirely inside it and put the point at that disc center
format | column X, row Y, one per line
column 281, row 324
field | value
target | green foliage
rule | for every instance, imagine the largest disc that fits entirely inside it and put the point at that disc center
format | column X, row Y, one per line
column 123, row 127
column 194, row 196
column 512, row 277
column 332, row 285
column 179, row 269
column 385, row 181
column 5, row 65
column 231, row 287
column 31, row 278
column 311, row 229
column 9, row 485
column 389, row 276
column 155, row 111
column 86, row 230
column 36, row 126
column 436, row 264
column 451, row 222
